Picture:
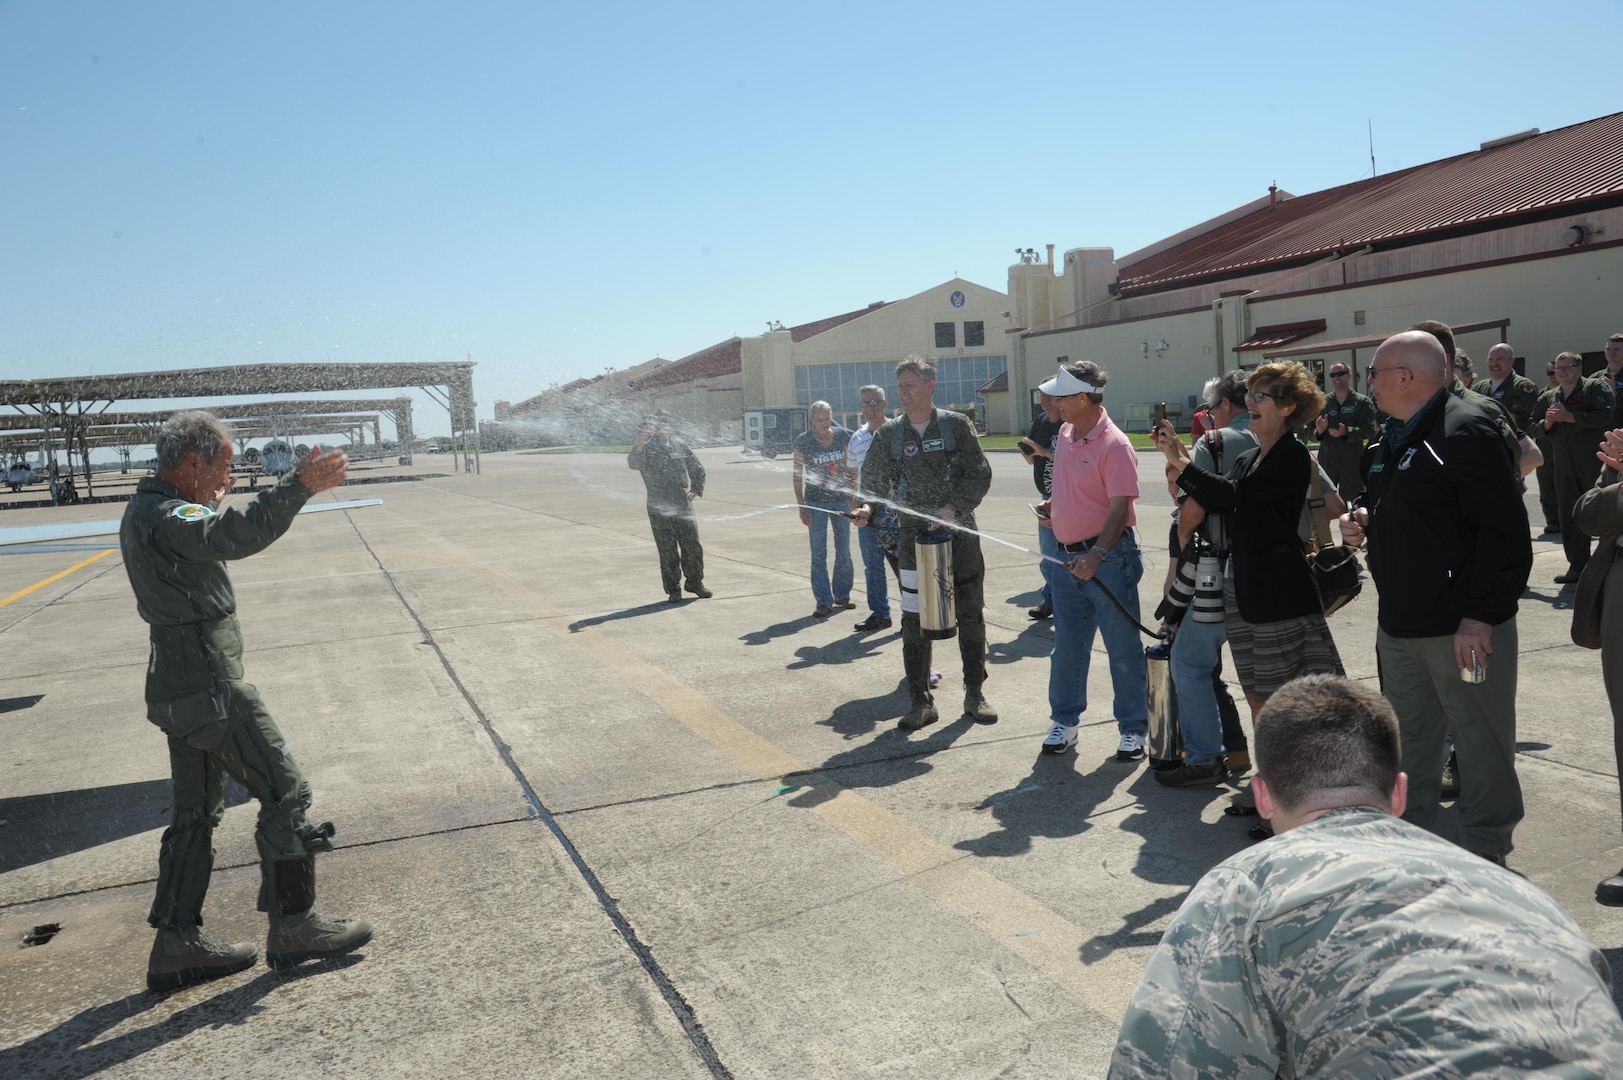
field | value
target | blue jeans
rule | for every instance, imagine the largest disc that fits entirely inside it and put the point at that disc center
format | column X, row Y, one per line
column 873, row 572
column 1196, row 652
column 1048, row 544
column 821, row 525
column 1080, row 608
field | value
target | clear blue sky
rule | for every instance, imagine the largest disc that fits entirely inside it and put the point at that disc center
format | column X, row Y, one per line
column 559, row 189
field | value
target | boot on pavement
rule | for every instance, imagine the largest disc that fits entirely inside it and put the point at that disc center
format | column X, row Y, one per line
column 187, row 956
column 310, row 935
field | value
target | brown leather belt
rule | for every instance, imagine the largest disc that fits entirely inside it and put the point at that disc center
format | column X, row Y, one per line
column 1080, row 545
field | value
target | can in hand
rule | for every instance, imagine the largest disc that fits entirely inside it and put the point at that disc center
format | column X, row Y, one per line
column 1474, row 673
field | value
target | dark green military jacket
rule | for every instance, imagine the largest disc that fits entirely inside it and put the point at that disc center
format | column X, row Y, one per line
column 1358, row 414
column 925, row 476
column 1518, row 395
column 1591, row 406
column 669, row 471
column 175, row 553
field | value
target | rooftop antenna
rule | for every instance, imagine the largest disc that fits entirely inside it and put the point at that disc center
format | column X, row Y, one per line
column 1371, row 147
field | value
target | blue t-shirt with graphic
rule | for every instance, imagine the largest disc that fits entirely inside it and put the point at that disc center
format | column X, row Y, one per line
column 824, row 468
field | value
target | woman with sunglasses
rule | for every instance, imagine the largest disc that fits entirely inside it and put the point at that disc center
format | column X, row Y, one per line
column 1275, row 621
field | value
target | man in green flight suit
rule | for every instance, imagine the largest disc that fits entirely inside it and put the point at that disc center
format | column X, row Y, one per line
column 1574, row 414
column 1345, row 426
column 930, row 461
column 176, row 542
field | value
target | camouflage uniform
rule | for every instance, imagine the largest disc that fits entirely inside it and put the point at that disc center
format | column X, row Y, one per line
column 1358, row 945
column 1340, row 454
column 669, row 471
column 926, row 477
column 175, row 553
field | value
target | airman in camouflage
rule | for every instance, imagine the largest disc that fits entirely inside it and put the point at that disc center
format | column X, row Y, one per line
column 1356, row 945
column 176, row 541
column 930, row 460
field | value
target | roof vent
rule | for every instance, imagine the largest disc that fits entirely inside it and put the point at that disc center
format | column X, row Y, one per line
column 1506, row 140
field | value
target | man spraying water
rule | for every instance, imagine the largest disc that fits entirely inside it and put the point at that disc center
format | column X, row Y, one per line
column 930, row 461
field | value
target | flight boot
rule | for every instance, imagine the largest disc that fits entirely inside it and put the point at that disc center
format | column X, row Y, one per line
column 310, row 935
column 977, row 708
column 922, row 714
column 187, row 956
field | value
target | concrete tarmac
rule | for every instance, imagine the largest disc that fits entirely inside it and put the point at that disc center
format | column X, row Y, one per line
column 602, row 835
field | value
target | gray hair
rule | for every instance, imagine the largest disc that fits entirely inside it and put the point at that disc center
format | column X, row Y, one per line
column 871, row 389
column 1089, row 372
column 819, row 408
column 918, row 365
column 185, row 432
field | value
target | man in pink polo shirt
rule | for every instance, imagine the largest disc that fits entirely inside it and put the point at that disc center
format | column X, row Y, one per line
column 1091, row 513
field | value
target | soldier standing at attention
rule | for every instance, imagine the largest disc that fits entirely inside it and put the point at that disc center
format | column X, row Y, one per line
column 674, row 478
column 1344, row 427
column 1575, row 413
column 1354, row 944
column 930, row 461
column 176, row 542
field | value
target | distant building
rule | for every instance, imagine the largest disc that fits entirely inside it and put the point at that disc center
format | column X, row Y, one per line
column 1521, row 240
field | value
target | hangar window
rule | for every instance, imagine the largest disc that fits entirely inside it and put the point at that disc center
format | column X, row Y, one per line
column 946, row 335
column 974, row 333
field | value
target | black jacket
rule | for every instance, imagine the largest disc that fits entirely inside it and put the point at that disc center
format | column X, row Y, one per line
column 1271, row 579
column 1448, row 536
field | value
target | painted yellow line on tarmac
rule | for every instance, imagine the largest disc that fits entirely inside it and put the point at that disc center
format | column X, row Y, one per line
column 18, row 595
column 1032, row 930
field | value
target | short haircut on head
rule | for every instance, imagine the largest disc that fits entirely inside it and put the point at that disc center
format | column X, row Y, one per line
column 1462, row 362
column 877, row 391
column 1326, row 733
column 1572, row 357
column 1089, row 372
column 1293, row 385
column 185, row 432
column 1615, row 337
column 919, row 366
column 1438, row 330
column 820, row 407
column 1230, row 387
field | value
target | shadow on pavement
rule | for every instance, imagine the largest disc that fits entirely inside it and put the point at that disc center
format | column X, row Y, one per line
column 1178, row 849
column 843, row 650
column 14, row 704
column 1036, row 640
column 893, row 757
column 41, row 827
column 1053, row 801
column 615, row 616
column 777, row 630
column 65, row 1050
column 861, row 716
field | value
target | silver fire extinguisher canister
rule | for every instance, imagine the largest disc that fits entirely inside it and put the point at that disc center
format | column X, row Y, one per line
column 938, row 616
column 1166, row 738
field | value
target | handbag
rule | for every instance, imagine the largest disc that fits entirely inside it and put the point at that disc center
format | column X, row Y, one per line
column 1336, row 571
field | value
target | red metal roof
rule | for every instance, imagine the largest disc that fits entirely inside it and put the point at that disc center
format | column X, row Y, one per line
column 997, row 384
column 1272, row 337
column 726, row 357
column 1555, row 173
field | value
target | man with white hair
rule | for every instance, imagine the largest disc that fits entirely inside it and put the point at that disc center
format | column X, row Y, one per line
column 1450, row 554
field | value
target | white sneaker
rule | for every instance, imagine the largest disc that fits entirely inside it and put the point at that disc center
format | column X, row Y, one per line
column 1060, row 739
column 1131, row 748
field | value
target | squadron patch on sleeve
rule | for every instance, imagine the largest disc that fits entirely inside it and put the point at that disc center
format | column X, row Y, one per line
column 191, row 512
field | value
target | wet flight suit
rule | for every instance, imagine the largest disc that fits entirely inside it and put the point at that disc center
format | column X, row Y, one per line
column 175, row 553
column 1572, row 453
column 669, row 471
column 926, row 475
column 1340, row 454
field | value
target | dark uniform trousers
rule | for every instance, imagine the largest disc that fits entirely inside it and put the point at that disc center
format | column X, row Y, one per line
column 248, row 747
column 1546, row 484
column 968, row 585
column 1421, row 680
column 676, row 537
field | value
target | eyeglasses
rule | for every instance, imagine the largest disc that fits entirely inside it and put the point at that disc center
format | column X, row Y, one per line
column 1339, row 374
column 869, row 404
column 1376, row 372
column 1254, row 397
